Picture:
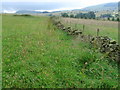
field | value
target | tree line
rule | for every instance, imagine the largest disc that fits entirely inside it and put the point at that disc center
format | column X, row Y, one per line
column 110, row 17
column 91, row 15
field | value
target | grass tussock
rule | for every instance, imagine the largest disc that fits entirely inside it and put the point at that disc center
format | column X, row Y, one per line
column 38, row 55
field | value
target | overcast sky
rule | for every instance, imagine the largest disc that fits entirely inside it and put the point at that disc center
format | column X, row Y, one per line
column 71, row 3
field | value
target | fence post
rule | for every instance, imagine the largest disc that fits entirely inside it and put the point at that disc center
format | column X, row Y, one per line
column 98, row 32
column 83, row 28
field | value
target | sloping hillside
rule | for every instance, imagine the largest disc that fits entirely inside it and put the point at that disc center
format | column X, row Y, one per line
column 103, row 7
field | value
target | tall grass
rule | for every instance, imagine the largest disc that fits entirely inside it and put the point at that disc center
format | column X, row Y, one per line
column 0, row 51
column 38, row 55
column 107, row 28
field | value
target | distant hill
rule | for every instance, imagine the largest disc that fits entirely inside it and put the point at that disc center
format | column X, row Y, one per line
column 102, row 7
column 29, row 12
column 26, row 12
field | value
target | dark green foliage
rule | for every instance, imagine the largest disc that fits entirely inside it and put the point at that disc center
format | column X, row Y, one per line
column 89, row 15
column 25, row 15
column 118, row 19
column 64, row 15
column 79, row 15
column 113, row 19
column 45, row 12
column 22, row 15
column 106, row 16
column 71, row 16
column 85, row 17
column 116, row 15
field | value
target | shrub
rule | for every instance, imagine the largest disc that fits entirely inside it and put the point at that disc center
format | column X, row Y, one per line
column 118, row 19
column 113, row 19
column 108, row 18
column 71, row 16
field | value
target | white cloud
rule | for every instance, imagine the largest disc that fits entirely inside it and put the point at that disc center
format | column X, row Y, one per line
column 9, row 11
column 56, row 9
column 84, row 3
column 88, row 1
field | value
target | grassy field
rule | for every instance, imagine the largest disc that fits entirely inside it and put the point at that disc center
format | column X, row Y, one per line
column 38, row 55
column 0, row 51
column 107, row 28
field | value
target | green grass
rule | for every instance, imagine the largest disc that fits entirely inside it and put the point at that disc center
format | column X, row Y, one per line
column 36, row 54
column 107, row 28
column 104, row 31
column 0, row 51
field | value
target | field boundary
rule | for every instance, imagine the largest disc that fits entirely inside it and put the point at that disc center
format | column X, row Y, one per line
column 105, row 44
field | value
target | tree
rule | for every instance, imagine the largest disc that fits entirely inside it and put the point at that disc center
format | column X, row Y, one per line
column 85, row 16
column 64, row 15
column 113, row 19
column 72, row 16
column 116, row 15
column 118, row 19
column 108, row 18
column 91, row 15
column 79, row 15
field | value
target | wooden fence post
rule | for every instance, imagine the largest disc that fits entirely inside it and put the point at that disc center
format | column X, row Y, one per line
column 98, row 32
column 83, row 28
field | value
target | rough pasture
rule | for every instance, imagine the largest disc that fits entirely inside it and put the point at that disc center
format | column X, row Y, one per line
column 36, row 54
column 103, row 43
column 107, row 28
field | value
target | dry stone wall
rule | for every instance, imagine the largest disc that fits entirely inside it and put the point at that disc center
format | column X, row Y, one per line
column 103, row 43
